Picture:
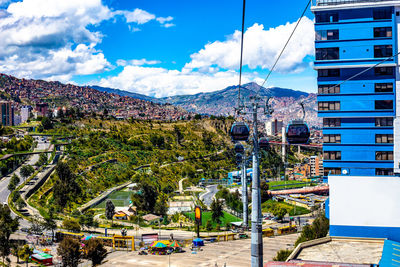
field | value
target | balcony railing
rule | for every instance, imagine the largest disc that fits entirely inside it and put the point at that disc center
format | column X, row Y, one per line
column 341, row 2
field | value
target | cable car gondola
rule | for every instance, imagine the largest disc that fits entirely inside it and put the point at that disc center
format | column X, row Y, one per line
column 297, row 131
column 239, row 148
column 263, row 143
column 240, row 131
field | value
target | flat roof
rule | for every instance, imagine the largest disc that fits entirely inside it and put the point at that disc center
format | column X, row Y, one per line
column 342, row 250
column 322, row 5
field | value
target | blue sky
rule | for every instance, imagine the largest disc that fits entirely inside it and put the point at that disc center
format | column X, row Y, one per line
column 155, row 47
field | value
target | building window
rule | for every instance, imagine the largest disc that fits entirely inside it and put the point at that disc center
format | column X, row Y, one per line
column 384, row 155
column 332, row 155
column 384, row 171
column 329, row 105
column 383, row 122
column 324, row 89
column 324, row 35
column 327, row 53
column 383, row 104
column 384, row 71
column 329, row 73
column 383, row 51
column 384, row 138
column 382, row 32
column 332, row 138
column 382, row 13
column 384, row 87
column 332, row 171
column 327, row 17
column 331, row 122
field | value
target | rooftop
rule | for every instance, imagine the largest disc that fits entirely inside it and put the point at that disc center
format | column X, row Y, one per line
column 340, row 250
column 342, row 2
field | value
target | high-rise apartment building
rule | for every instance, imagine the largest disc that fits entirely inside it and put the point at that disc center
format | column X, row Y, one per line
column 25, row 111
column 356, row 43
column 6, row 113
column 358, row 115
column 273, row 127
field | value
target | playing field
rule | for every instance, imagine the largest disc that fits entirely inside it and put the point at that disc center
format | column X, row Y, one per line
column 119, row 199
column 206, row 216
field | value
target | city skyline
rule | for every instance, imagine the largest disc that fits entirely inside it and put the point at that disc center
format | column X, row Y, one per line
column 154, row 48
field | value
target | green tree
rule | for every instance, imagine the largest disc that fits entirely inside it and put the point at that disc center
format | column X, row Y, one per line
column 42, row 160
column 282, row 255
column 318, row 229
column 36, row 225
column 264, row 187
column 216, row 210
column 50, row 223
column 110, row 210
column 65, row 186
column 208, row 226
column 161, row 206
column 14, row 181
column 95, row 251
column 87, row 219
column 279, row 211
column 26, row 171
column 8, row 226
column 71, row 224
column 20, row 203
column 146, row 200
column 24, row 253
column 46, row 123
column 70, row 252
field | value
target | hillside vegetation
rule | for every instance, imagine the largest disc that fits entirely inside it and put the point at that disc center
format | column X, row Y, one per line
column 105, row 153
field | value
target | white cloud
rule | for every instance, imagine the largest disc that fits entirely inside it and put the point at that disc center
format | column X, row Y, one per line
column 160, row 82
column 167, row 25
column 162, row 20
column 261, row 48
column 137, row 62
column 138, row 16
column 49, row 39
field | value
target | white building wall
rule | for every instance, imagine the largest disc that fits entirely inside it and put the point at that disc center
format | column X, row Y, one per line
column 367, row 201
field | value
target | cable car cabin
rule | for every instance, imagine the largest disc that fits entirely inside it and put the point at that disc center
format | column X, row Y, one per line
column 263, row 143
column 297, row 132
column 240, row 131
column 239, row 148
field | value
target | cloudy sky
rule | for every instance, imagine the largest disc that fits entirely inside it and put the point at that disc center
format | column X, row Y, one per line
column 156, row 47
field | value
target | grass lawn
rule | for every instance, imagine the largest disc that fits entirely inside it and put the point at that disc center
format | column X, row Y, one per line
column 269, row 204
column 206, row 216
column 118, row 198
column 274, row 185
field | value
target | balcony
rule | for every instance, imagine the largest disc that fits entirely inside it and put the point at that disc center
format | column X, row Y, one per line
column 342, row 2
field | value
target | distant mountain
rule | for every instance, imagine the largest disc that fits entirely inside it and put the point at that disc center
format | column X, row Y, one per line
column 285, row 102
column 124, row 93
column 223, row 101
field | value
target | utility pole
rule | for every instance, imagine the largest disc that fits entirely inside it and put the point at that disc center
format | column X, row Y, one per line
column 244, row 193
column 256, row 226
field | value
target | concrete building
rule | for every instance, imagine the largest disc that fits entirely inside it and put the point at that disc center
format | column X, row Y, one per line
column 42, row 109
column 273, row 127
column 358, row 103
column 316, row 166
column 25, row 111
column 6, row 113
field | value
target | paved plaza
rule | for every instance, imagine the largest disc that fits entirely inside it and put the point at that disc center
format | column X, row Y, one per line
column 232, row 253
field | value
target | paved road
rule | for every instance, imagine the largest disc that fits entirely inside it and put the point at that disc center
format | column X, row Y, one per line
column 207, row 197
column 4, row 192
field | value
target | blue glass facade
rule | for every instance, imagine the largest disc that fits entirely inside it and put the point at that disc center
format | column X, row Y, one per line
column 358, row 114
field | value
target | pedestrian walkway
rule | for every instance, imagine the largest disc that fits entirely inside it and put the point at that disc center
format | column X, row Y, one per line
column 233, row 254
